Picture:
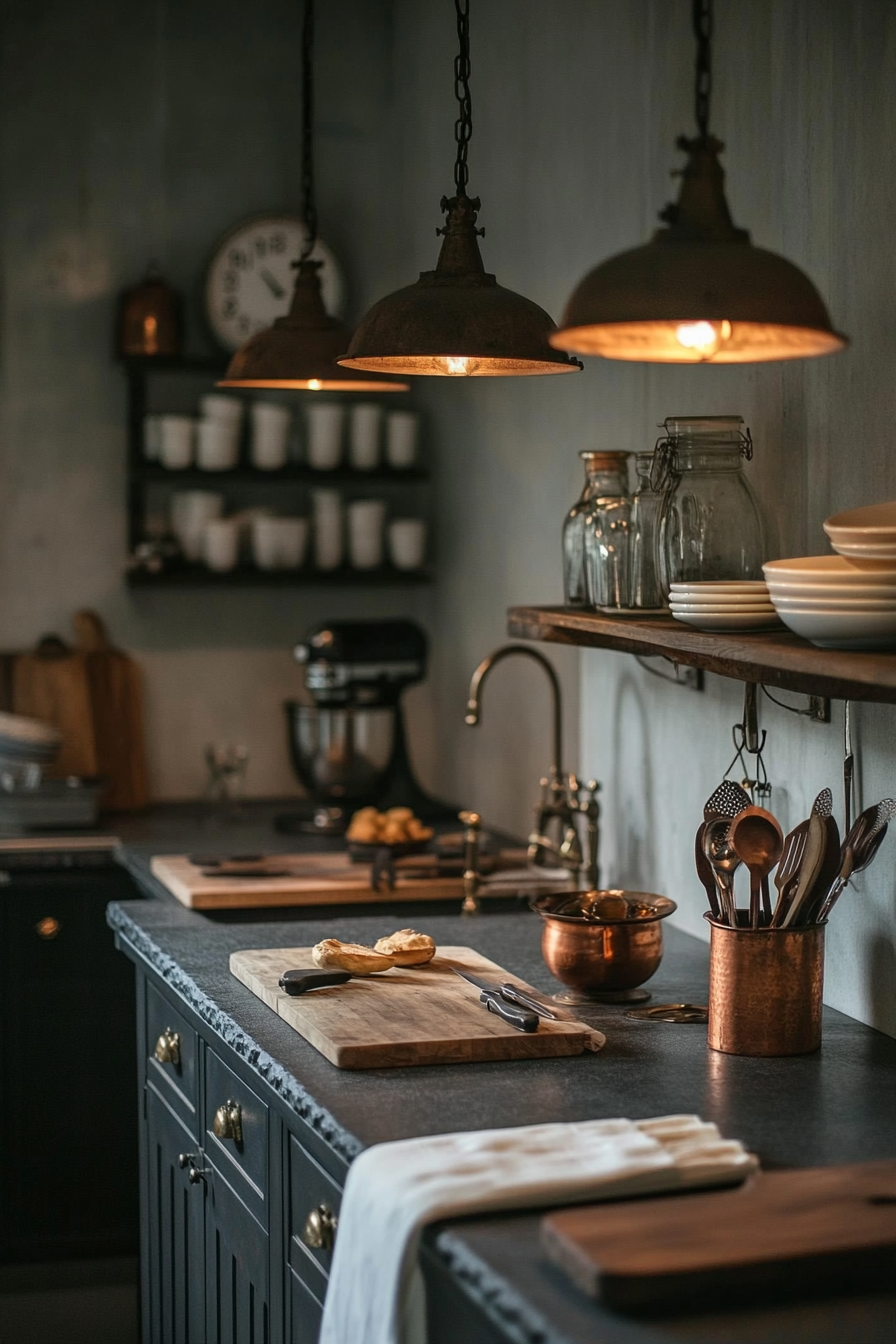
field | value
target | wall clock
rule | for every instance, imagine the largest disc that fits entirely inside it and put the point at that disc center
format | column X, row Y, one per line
column 250, row 277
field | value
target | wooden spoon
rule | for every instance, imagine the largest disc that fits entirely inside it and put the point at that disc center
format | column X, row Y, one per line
column 758, row 840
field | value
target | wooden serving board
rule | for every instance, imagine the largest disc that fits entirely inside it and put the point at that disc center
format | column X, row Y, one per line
column 803, row 1233
column 419, row 1015
column 314, row 879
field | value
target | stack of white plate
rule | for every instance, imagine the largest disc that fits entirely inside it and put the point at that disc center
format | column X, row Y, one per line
column 723, row 605
column 865, row 534
column 835, row 601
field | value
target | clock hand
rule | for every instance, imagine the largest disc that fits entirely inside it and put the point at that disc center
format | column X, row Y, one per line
column 272, row 283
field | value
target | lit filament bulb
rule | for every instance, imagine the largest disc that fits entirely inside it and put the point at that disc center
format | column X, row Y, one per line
column 314, row 384
column 703, row 337
column 459, row 366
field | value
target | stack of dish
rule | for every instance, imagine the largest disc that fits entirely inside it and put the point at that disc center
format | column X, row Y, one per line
column 865, row 534
column 835, row 601
column 723, row 605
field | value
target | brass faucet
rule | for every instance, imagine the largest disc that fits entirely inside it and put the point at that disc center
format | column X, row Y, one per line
column 561, row 799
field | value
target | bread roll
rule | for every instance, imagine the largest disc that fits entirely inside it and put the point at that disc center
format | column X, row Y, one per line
column 332, row 955
column 407, row 947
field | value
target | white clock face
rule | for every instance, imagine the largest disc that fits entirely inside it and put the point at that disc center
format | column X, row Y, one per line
column 251, row 277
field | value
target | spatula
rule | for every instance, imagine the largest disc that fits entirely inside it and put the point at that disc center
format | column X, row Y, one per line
column 728, row 799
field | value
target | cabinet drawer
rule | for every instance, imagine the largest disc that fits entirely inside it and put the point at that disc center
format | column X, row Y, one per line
column 310, row 1189
column 171, row 1050
column 236, row 1134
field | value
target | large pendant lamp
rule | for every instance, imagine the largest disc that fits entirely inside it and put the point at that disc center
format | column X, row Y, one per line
column 456, row 321
column 300, row 350
column 699, row 291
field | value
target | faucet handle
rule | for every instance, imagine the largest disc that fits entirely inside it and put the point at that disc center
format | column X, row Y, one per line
column 472, row 835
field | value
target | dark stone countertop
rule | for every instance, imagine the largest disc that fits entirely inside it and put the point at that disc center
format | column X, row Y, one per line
column 835, row 1106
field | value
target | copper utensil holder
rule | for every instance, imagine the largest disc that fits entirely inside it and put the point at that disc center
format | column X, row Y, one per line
column 765, row 989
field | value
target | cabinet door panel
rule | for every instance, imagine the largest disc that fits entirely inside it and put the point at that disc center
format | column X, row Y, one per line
column 237, row 1271
column 305, row 1312
column 174, row 1238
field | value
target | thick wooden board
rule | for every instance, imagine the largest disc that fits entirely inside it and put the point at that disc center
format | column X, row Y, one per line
column 315, row 879
column 775, row 659
column 783, row 1233
column 419, row 1015
column 55, row 689
column 116, row 695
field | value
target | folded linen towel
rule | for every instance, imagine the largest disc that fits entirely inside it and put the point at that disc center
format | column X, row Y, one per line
column 375, row 1293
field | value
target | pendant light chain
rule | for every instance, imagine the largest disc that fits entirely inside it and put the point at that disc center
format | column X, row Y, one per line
column 702, row 20
column 463, row 127
column 309, row 209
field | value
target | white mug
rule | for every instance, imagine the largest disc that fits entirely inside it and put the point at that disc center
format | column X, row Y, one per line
column 407, row 542
column 176, row 435
column 215, row 406
column 402, row 428
column 365, row 533
column 219, row 445
column 271, row 424
column 364, row 436
column 190, row 511
column 152, row 437
column 221, row 543
column 325, row 435
column 292, row 539
column 328, row 537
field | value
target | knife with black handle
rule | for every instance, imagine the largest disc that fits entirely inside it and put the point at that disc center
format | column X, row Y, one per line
column 514, row 1014
column 299, row 982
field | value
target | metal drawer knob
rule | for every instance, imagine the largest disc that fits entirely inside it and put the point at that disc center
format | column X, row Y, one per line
column 319, row 1231
column 167, row 1049
column 195, row 1174
column 228, row 1122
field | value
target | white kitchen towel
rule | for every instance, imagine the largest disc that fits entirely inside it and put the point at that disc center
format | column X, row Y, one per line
column 375, row 1294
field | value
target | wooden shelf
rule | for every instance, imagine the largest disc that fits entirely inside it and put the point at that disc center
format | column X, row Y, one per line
column 777, row 659
column 155, row 475
column 197, row 576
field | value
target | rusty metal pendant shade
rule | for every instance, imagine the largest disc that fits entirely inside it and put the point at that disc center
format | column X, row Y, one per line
column 699, row 291
column 300, row 350
column 457, row 321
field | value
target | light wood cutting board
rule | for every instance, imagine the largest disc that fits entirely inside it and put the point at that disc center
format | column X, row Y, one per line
column 419, row 1015
column 314, row 879
column 116, row 697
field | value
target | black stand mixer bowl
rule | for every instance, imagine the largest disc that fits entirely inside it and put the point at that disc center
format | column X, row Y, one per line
column 349, row 749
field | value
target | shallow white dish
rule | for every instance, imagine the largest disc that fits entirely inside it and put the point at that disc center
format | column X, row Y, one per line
column 729, row 621
column 844, row 630
column 719, row 599
column 860, row 551
column 715, row 586
column 839, row 592
column 828, row 569
column 874, row 517
column 809, row 602
column 721, row 608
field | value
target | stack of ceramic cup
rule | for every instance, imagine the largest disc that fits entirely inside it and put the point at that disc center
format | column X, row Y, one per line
column 727, row 604
column 218, row 432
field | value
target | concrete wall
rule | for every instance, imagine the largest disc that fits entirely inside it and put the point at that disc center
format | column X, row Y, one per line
column 576, row 108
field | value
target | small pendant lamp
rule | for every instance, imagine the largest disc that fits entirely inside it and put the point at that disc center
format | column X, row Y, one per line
column 456, row 321
column 699, row 291
column 300, row 350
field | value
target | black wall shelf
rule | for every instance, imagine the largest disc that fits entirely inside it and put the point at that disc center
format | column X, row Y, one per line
column 246, row 576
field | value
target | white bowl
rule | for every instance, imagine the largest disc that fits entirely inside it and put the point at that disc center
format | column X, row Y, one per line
column 721, row 608
column 872, row 517
column 729, row 621
column 828, row 569
column 833, row 603
column 844, row 630
column 838, row 592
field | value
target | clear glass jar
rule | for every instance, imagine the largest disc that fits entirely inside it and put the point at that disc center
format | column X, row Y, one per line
column 710, row 525
column 646, row 588
column 607, row 526
column 575, row 582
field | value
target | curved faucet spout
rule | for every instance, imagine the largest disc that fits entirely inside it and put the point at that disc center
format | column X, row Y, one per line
column 474, row 703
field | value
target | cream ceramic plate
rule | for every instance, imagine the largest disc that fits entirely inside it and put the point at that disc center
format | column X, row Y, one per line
column 717, row 589
column 809, row 602
column 856, row 551
column 828, row 569
column 844, row 630
column 729, row 621
column 722, row 608
column 837, row 592
column 720, row 599
column 871, row 516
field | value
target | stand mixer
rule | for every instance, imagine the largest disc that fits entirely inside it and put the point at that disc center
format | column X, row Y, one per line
column 349, row 748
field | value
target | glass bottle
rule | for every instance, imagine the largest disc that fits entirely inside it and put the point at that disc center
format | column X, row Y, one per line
column 575, row 586
column 607, row 524
column 646, row 583
column 710, row 525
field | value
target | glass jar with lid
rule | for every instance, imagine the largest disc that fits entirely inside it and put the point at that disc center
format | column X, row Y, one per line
column 602, row 479
column 607, row 528
column 710, row 524
column 646, row 586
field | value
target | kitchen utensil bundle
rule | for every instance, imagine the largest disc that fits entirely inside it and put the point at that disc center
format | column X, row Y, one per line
column 837, row 601
column 727, row 605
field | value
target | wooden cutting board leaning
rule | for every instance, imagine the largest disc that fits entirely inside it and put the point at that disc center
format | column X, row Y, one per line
column 784, row 1234
column 408, row 1015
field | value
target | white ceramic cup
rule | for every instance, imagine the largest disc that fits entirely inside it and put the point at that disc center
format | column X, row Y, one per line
column 218, row 446
column 407, row 542
column 216, row 406
column 176, row 436
column 152, row 437
column 292, row 540
column 265, row 549
column 328, row 529
column 402, row 430
column 221, row 544
column 364, row 436
column 271, row 424
column 190, row 511
column 366, row 518
column 325, row 420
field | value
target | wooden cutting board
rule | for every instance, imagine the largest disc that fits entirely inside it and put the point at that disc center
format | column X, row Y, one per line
column 409, row 1015
column 116, row 698
column 804, row 1233
column 314, row 879
column 51, row 684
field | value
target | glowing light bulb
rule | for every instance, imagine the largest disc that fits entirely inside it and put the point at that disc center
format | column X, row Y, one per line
column 459, row 365
column 704, row 337
column 314, row 385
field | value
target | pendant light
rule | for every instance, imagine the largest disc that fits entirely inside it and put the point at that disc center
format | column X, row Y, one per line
column 456, row 321
column 300, row 350
column 699, row 291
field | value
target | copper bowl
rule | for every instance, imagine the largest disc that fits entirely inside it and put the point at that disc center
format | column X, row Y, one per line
column 600, row 942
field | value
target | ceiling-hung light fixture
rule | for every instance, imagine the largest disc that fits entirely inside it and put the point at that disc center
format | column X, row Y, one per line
column 300, row 350
column 699, row 291
column 456, row 321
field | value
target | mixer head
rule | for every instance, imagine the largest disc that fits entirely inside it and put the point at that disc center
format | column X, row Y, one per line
column 362, row 663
